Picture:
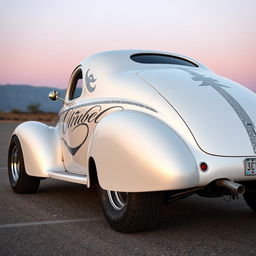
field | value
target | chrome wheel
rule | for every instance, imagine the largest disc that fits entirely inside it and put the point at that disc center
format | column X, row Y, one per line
column 118, row 200
column 131, row 212
column 15, row 163
column 20, row 181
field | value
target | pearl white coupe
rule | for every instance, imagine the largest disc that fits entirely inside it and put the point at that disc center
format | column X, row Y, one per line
column 147, row 127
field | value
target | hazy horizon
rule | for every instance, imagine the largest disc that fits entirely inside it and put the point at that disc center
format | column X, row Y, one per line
column 43, row 41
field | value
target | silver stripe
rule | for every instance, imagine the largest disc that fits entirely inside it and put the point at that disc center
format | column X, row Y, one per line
column 241, row 113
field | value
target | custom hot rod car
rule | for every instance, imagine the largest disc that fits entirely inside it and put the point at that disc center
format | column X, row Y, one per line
column 148, row 127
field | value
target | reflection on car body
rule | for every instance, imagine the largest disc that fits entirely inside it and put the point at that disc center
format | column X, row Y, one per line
column 148, row 128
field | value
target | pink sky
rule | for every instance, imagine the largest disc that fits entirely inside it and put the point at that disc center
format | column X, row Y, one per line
column 42, row 41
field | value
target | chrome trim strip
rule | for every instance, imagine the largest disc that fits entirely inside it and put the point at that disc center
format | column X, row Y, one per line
column 99, row 102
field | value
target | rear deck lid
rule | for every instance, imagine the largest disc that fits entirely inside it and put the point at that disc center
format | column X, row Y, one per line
column 219, row 112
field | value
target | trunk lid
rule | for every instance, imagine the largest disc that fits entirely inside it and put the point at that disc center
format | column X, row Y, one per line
column 219, row 112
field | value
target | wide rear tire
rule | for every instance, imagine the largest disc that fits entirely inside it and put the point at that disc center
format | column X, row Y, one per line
column 19, row 180
column 250, row 195
column 131, row 212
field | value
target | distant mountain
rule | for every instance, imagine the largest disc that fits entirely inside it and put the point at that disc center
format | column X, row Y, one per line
column 20, row 96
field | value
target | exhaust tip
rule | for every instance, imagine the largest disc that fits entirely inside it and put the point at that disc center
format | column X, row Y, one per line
column 231, row 186
column 241, row 189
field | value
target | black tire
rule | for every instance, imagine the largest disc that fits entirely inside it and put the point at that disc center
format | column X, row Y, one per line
column 132, row 212
column 250, row 195
column 19, row 180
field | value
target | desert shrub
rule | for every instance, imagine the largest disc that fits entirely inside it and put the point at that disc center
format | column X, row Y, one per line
column 16, row 111
column 34, row 107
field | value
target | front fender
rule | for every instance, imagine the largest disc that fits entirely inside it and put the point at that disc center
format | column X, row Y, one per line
column 135, row 152
column 41, row 148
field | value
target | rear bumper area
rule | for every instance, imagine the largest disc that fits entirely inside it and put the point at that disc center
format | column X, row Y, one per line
column 232, row 168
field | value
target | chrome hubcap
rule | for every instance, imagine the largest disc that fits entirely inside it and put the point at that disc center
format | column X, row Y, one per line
column 118, row 200
column 15, row 163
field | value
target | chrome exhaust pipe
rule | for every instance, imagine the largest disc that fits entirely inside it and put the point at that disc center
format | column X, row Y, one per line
column 234, row 187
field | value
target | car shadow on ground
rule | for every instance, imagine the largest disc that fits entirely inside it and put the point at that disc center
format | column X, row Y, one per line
column 207, row 215
column 191, row 213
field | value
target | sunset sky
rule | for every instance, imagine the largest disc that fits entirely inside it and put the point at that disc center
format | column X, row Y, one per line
column 42, row 41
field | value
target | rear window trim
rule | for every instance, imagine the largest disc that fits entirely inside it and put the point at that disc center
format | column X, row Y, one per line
column 164, row 55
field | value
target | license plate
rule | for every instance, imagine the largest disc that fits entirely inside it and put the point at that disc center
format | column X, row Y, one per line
column 250, row 166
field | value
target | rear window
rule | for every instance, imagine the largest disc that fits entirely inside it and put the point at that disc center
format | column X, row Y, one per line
column 152, row 58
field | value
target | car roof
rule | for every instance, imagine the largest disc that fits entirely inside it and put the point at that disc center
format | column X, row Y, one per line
column 121, row 59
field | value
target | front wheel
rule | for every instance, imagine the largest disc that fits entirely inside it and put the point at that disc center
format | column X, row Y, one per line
column 19, row 180
column 131, row 212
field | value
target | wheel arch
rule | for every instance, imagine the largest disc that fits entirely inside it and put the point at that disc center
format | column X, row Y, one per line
column 135, row 152
column 40, row 146
column 92, row 173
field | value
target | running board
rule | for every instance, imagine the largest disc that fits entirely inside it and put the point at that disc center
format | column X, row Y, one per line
column 75, row 178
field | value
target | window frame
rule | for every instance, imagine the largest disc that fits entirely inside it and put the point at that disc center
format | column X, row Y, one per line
column 73, row 82
column 192, row 64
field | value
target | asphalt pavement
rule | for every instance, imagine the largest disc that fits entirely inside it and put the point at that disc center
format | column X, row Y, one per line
column 66, row 219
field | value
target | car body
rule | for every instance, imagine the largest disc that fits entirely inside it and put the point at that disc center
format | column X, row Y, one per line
column 139, row 122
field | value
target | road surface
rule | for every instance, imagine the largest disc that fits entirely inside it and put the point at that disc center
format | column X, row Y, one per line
column 66, row 219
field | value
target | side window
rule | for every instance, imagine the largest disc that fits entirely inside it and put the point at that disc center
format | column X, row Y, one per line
column 76, row 85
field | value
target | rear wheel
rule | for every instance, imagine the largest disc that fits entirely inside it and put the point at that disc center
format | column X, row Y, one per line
column 250, row 195
column 19, row 180
column 131, row 212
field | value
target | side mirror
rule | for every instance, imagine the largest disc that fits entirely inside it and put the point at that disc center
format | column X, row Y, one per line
column 54, row 95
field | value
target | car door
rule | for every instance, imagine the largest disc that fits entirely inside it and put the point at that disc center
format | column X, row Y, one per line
column 74, row 134
column 83, row 110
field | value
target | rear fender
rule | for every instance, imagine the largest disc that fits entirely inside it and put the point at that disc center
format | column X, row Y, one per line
column 41, row 148
column 135, row 152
